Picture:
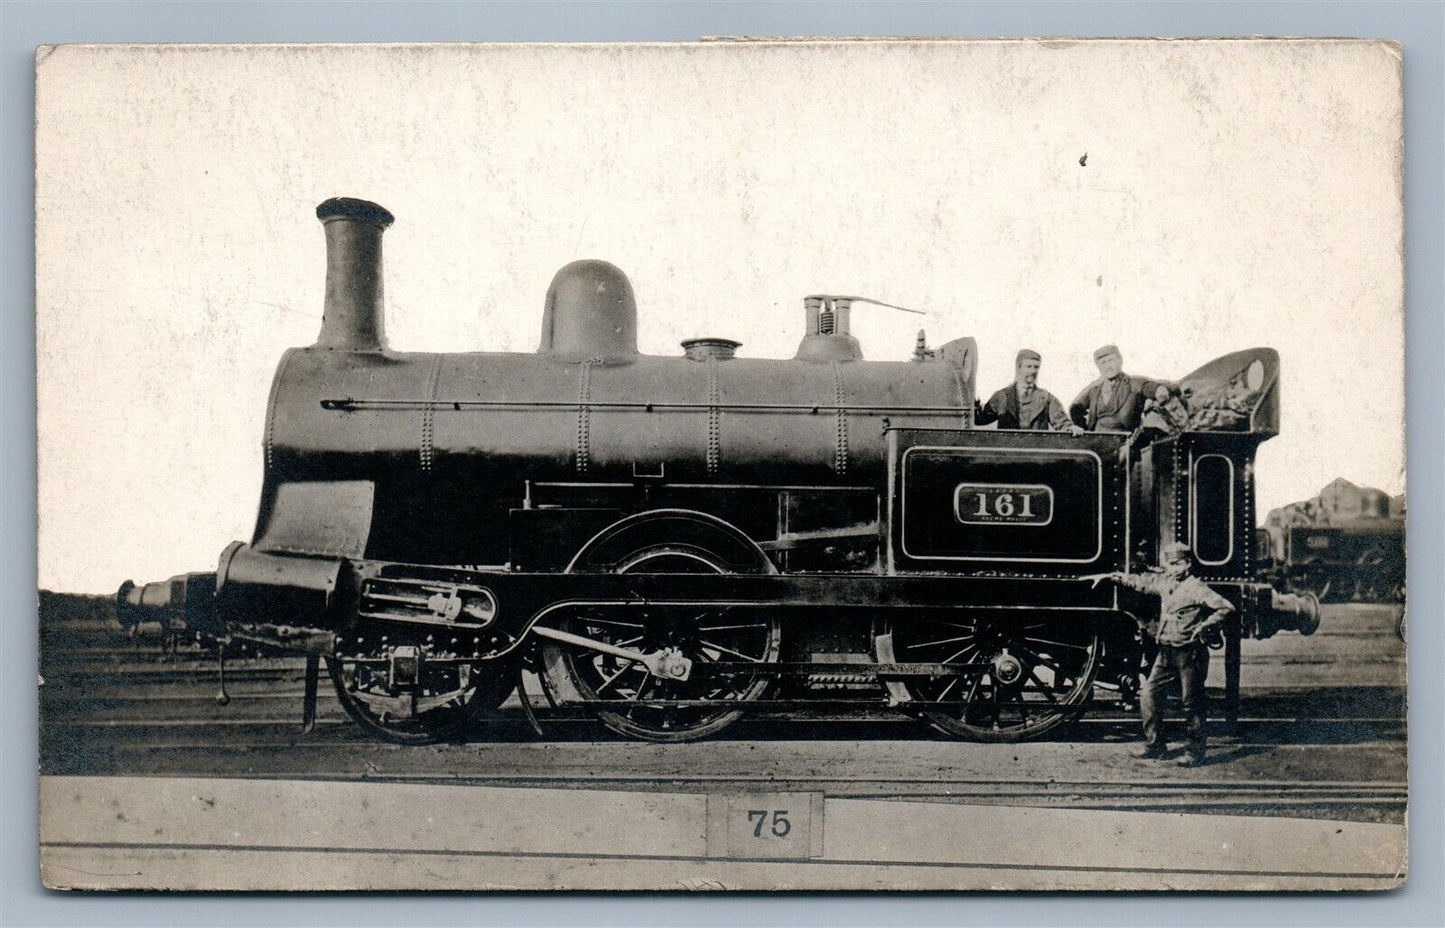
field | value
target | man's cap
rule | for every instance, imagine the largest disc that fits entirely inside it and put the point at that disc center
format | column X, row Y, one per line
column 1106, row 351
column 1174, row 551
column 1026, row 353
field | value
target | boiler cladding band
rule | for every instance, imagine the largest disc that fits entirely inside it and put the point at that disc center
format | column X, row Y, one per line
column 353, row 405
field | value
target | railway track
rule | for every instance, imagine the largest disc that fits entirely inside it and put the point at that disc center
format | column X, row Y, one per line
column 96, row 677
column 198, row 707
column 111, row 705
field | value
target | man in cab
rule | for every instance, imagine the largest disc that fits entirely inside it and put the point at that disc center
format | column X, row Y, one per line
column 1024, row 404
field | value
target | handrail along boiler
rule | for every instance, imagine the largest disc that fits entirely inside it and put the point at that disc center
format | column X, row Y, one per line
column 672, row 541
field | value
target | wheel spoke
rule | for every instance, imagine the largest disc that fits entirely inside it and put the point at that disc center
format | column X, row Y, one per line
column 1042, row 689
column 703, row 657
column 729, row 628
column 718, row 647
column 967, row 653
column 945, row 623
column 1040, row 658
column 642, row 691
column 956, row 655
column 927, row 644
column 617, row 622
column 972, row 691
column 1061, row 644
column 613, row 679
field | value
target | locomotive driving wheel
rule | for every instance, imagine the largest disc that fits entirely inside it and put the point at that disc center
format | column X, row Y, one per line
column 1017, row 677
column 631, row 700
column 436, row 703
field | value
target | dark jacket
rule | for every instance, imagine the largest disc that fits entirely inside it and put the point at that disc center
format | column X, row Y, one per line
column 1003, row 408
column 1120, row 411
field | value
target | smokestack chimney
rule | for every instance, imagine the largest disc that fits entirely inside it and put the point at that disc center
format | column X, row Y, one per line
column 353, row 318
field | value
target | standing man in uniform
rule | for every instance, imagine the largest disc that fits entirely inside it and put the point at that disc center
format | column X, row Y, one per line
column 1114, row 402
column 1023, row 404
column 1188, row 609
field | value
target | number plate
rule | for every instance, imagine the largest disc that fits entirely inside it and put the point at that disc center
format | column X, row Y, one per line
column 765, row 825
column 1003, row 503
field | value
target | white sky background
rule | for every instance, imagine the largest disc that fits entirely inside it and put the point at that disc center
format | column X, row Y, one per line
column 1236, row 194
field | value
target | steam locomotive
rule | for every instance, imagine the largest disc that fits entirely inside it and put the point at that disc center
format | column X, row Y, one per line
column 670, row 542
column 1350, row 556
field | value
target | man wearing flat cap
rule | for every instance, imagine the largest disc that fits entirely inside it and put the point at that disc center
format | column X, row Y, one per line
column 1188, row 610
column 1023, row 404
column 1114, row 402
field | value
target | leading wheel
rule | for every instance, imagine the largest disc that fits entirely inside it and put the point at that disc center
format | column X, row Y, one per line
column 444, row 702
column 633, row 702
column 1018, row 678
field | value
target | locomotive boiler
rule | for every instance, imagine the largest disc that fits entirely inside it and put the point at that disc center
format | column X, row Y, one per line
column 670, row 542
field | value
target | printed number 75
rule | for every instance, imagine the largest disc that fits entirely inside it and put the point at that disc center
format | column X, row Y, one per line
column 781, row 825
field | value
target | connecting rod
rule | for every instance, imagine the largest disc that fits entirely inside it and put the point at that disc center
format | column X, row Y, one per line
column 667, row 664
